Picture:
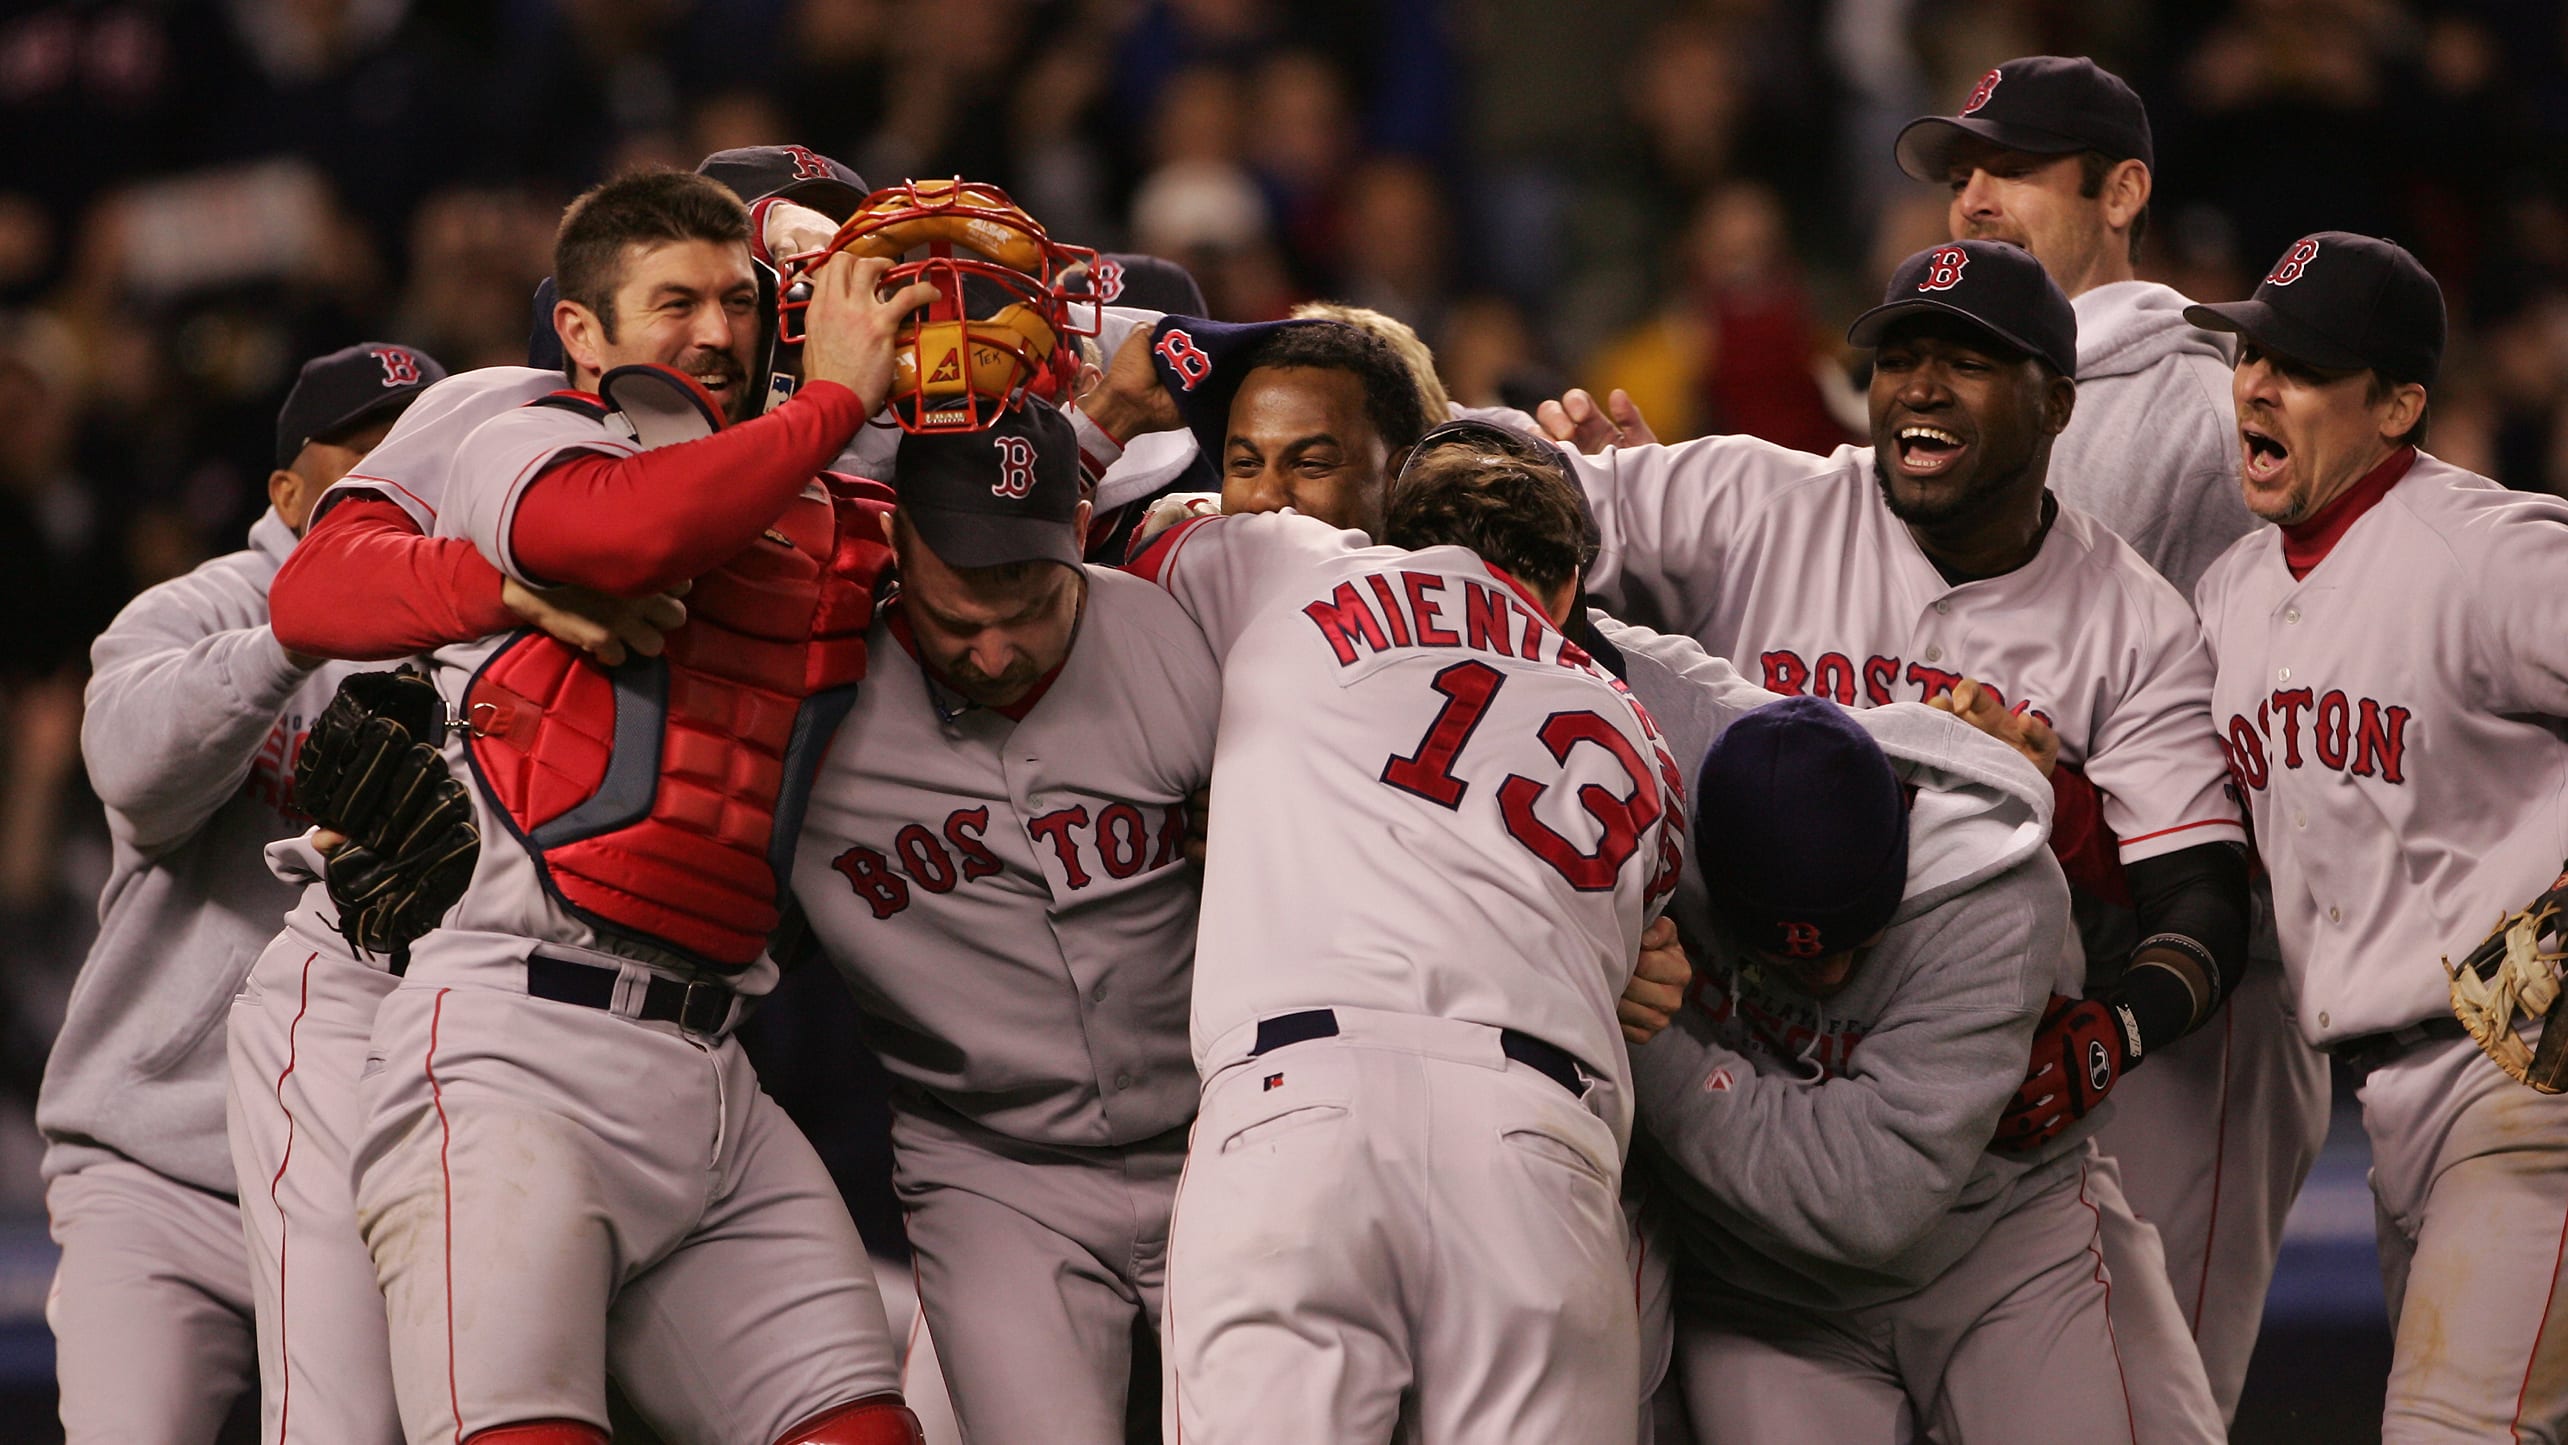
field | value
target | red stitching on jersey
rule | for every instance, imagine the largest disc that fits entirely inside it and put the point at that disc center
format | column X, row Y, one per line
column 909, row 1349
column 2104, row 1277
column 1176, row 1401
column 2181, row 827
column 285, row 1386
column 2515, row 1429
column 446, row 1186
column 2219, row 1166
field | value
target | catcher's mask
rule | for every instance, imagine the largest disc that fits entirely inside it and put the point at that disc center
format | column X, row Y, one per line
column 995, row 331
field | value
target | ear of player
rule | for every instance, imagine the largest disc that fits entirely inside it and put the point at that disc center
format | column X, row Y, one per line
column 997, row 331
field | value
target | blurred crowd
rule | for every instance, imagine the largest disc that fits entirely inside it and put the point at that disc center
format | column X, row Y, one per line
column 1686, row 200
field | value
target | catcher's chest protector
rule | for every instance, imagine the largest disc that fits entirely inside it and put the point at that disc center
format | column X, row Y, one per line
column 661, row 799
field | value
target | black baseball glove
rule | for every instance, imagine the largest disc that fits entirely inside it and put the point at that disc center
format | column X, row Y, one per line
column 370, row 769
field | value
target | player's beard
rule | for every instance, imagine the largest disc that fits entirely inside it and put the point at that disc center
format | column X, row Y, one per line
column 1982, row 495
column 736, row 400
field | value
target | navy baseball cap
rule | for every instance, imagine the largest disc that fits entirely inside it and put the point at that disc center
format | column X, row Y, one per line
column 1801, row 829
column 341, row 392
column 1202, row 364
column 1006, row 493
column 1129, row 278
column 2044, row 105
column 1997, row 287
column 795, row 173
column 2342, row 302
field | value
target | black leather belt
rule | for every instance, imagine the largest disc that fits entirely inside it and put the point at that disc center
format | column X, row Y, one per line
column 701, row 1006
column 1555, row 1064
column 2366, row 1052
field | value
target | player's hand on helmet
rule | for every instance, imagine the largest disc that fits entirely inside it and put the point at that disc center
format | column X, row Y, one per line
column 1657, row 990
column 788, row 230
column 606, row 628
column 2077, row 1059
column 1579, row 421
column 1127, row 399
column 851, row 327
column 2018, row 729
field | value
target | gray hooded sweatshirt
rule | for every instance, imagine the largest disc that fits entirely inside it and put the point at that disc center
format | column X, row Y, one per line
column 2152, row 448
column 194, row 714
column 1834, row 1154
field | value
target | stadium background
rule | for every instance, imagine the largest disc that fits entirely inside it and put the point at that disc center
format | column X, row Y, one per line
column 1687, row 200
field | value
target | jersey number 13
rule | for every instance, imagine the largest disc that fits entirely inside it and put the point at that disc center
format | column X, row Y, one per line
column 1468, row 689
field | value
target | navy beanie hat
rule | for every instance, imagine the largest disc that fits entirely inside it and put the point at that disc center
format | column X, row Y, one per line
column 1801, row 829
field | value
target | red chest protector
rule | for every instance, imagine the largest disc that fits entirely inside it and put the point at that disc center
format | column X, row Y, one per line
column 661, row 799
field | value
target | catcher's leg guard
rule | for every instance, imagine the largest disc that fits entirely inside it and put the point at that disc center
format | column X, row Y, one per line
column 874, row 1420
column 540, row 1432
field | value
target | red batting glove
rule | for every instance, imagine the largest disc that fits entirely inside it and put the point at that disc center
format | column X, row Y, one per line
column 2077, row 1059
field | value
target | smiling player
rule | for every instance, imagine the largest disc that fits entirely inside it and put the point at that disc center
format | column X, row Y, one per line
column 1894, row 572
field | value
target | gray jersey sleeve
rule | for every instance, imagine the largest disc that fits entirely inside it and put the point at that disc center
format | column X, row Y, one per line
column 183, row 688
column 1859, row 1167
column 1666, row 516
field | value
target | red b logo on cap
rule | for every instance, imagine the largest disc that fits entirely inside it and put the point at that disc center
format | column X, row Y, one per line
column 1982, row 91
column 1801, row 940
column 1106, row 280
column 807, row 167
column 1944, row 269
column 1185, row 358
column 1016, row 467
column 400, row 368
column 2291, row 266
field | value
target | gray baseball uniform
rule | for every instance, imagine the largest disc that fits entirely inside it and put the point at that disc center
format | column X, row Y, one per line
column 1006, row 894
column 1441, row 830
column 298, row 1046
column 2391, row 688
column 2214, row 1137
column 547, row 1187
column 194, row 715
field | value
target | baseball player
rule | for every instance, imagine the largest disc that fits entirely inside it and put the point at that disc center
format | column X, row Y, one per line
column 298, row 1032
column 2214, row 1138
column 2392, row 682
column 194, row 713
column 1894, row 572
column 1441, row 829
column 993, row 858
column 1886, row 928
column 564, row 1035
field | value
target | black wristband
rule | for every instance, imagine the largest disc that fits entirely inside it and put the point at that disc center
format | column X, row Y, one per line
column 2160, row 1001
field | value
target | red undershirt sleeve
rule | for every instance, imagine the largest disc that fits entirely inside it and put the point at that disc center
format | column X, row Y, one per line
column 2087, row 850
column 634, row 525
column 363, row 586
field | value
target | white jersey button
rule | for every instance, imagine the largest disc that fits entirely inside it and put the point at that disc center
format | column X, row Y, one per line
column 2322, row 1018
column 2291, row 614
column 2282, row 674
column 1934, row 654
column 2300, row 820
column 1098, row 995
column 1123, row 1081
column 2335, row 915
column 1942, row 606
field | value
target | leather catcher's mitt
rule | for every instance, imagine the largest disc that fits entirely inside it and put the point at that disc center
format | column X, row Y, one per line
column 2509, row 976
column 370, row 768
